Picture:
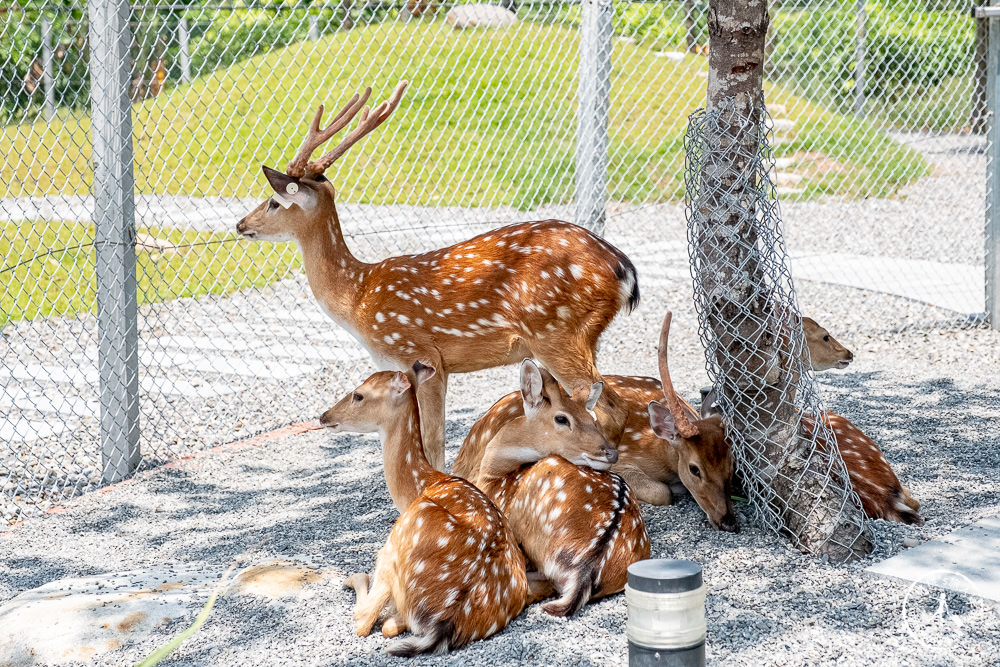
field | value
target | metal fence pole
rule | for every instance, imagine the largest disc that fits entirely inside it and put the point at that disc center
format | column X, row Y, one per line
column 48, row 79
column 313, row 28
column 861, row 35
column 592, row 120
column 992, row 231
column 114, row 216
column 184, row 36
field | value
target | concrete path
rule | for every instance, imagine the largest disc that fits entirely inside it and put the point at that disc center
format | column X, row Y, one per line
column 966, row 561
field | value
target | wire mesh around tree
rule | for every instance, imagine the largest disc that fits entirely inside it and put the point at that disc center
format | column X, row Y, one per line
column 751, row 328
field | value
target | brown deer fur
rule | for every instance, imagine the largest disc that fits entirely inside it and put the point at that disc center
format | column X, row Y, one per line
column 544, row 289
column 451, row 566
column 580, row 527
column 881, row 493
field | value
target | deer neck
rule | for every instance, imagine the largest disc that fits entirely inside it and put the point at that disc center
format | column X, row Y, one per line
column 334, row 273
column 506, row 453
column 407, row 472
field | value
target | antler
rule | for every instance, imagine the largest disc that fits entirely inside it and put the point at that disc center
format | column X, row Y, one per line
column 681, row 421
column 370, row 119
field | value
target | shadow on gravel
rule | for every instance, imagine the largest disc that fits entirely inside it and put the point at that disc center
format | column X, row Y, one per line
column 931, row 431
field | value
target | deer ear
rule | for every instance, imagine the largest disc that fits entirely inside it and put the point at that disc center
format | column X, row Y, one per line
column 662, row 422
column 423, row 372
column 531, row 387
column 710, row 404
column 399, row 384
column 595, row 394
column 289, row 190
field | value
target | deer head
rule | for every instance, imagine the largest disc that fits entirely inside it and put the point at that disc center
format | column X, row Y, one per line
column 553, row 423
column 704, row 462
column 302, row 194
column 825, row 351
column 376, row 402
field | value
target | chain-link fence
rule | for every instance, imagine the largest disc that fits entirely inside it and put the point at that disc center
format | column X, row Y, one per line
column 752, row 331
column 878, row 110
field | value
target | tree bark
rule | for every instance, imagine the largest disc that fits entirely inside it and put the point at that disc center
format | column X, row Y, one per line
column 739, row 302
column 978, row 117
column 691, row 36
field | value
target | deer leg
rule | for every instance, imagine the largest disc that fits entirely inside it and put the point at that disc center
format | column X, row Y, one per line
column 646, row 489
column 394, row 625
column 430, row 398
column 539, row 588
column 572, row 596
column 371, row 602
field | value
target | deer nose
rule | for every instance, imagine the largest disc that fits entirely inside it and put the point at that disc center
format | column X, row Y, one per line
column 611, row 455
column 326, row 419
column 241, row 226
column 729, row 523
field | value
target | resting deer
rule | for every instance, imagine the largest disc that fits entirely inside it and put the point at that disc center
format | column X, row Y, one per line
column 451, row 566
column 661, row 452
column 541, row 289
column 881, row 493
column 579, row 526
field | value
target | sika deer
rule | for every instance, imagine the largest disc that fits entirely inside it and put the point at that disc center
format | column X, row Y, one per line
column 825, row 351
column 882, row 495
column 654, row 457
column 873, row 479
column 451, row 565
column 542, row 289
column 580, row 527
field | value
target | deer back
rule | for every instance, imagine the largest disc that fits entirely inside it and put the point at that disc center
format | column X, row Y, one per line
column 459, row 566
column 881, row 493
column 574, row 523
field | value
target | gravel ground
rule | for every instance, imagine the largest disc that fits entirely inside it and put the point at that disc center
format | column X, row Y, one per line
column 930, row 399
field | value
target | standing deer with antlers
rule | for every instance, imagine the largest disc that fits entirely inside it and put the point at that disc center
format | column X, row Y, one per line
column 581, row 527
column 544, row 289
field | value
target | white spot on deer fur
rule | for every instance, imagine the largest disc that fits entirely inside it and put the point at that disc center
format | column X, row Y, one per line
column 388, row 340
column 576, row 270
column 564, row 312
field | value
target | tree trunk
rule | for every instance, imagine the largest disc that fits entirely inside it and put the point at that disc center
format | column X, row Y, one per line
column 739, row 297
column 691, row 36
column 978, row 118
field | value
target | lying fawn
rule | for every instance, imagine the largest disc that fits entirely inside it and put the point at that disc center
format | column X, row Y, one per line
column 541, row 289
column 881, row 493
column 825, row 351
column 579, row 526
column 451, row 566
column 655, row 457
column 873, row 479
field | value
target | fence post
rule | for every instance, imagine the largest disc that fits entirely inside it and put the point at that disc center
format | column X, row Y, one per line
column 313, row 28
column 993, row 185
column 860, row 37
column 592, row 120
column 184, row 35
column 48, row 79
column 114, row 243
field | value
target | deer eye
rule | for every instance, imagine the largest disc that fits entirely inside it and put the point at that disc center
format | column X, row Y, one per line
column 695, row 471
column 562, row 420
column 826, row 338
column 271, row 205
column 358, row 397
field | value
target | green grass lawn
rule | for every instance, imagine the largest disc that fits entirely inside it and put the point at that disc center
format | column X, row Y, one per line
column 489, row 119
column 63, row 282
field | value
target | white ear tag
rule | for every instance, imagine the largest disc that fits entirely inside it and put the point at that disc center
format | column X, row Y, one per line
column 285, row 203
column 292, row 188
